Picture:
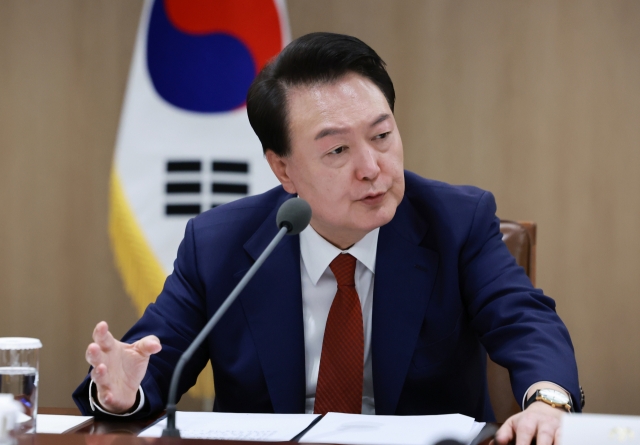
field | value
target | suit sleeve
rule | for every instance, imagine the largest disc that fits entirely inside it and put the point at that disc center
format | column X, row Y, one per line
column 176, row 318
column 517, row 324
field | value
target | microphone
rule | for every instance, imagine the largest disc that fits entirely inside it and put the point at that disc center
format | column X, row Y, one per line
column 295, row 214
column 292, row 218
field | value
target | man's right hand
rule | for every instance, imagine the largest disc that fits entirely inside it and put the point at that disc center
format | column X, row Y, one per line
column 118, row 368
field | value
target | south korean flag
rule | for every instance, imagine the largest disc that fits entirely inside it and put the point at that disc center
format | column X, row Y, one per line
column 184, row 143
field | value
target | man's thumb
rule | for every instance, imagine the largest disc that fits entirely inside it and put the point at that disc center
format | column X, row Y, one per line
column 148, row 345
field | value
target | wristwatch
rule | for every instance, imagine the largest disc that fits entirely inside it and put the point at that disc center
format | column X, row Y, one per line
column 556, row 399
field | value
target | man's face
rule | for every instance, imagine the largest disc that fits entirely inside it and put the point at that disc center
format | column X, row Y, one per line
column 346, row 157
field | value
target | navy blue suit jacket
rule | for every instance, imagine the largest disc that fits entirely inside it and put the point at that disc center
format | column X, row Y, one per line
column 446, row 291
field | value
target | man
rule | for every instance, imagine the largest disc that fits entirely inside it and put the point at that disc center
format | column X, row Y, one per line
column 424, row 282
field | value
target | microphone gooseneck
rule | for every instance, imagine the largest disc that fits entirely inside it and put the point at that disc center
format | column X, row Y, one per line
column 292, row 218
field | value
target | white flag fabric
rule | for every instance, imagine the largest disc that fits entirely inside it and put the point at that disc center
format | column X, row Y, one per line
column 184, row 143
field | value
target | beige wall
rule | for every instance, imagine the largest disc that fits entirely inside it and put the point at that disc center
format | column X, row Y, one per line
column 537, row 101
column 63, row 70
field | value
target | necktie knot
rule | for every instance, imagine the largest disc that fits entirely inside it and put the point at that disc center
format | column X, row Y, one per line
column 344, row 268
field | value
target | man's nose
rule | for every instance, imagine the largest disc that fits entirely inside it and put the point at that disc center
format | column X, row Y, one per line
column 367, row 167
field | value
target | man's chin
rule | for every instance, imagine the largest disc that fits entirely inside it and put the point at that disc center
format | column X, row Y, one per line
column 379, row 217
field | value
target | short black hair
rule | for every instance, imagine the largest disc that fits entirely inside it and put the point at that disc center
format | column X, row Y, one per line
column 316, row 58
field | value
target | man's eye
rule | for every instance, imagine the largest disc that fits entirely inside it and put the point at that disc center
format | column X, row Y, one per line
column 383, row 135
column 337, row 151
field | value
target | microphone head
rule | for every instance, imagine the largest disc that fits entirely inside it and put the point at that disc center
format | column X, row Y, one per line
column 294, row 214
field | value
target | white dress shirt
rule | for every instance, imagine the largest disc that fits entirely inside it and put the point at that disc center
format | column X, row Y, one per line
column 319, row 287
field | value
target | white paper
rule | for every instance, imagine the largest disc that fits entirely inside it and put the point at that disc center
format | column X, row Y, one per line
column 600, row 429
column 51, row 424
column 475, row 430
column 390, row 430
column 231, row 426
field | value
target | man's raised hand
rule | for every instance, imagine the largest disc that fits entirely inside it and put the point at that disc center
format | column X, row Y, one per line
column 118, row 368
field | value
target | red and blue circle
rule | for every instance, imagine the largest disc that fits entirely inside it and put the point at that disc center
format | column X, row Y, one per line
column 202, row 55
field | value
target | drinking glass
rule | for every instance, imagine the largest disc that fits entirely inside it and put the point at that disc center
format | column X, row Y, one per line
column 19, row 376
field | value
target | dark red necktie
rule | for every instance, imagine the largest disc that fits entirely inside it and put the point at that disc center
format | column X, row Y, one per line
column 342, row 361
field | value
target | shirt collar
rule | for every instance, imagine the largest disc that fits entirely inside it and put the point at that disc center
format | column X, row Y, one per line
column 317, row 253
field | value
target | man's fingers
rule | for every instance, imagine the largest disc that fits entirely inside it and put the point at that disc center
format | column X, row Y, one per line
column 94, row 355
column 539, row 420
column 505, row 434
column 148, row 345
column 525, row 431
column 107, row 398
column 100, row 377
column 103, row 337
column 100, row 329
column 545, row 434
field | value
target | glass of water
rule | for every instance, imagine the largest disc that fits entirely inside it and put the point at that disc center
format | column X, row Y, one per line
column 19, row 376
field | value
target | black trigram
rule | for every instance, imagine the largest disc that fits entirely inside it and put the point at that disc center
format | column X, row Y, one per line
column 230, row 181
column 190, row 189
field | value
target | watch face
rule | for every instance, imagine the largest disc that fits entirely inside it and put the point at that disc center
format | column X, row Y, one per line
column 554, row 396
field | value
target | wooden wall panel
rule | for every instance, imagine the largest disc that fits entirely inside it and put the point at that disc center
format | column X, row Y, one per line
column 63, row 70
column 537, row 101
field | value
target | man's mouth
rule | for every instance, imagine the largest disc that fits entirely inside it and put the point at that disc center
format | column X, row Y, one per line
column 373, row 198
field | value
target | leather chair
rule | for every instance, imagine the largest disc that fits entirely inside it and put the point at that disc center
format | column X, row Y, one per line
column 520, row 238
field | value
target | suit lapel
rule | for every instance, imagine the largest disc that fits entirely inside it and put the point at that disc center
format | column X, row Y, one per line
column 272, row 303
column 404, row 278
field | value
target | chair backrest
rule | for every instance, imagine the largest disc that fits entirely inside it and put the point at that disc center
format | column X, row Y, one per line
column 520, row 238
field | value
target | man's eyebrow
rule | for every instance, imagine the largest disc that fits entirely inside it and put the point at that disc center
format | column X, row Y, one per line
column 330, row 132
column 336, row 130
column 381, row 118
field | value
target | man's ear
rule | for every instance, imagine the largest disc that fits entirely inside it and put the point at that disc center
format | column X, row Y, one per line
column 280, row 166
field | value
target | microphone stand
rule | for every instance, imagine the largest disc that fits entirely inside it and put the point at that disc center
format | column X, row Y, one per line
column 171, row 430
